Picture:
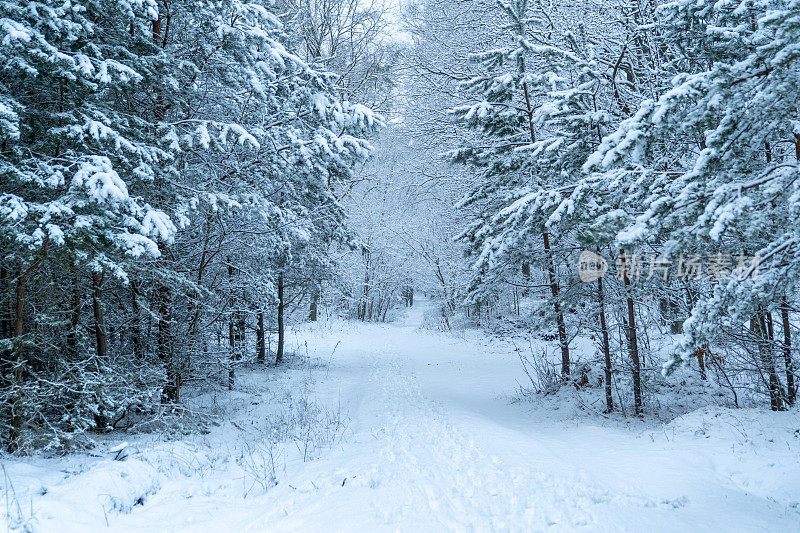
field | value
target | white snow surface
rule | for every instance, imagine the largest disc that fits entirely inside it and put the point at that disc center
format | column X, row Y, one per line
column 433, row 441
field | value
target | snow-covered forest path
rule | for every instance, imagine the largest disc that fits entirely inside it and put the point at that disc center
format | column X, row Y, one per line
column 438, row 445
column 435, row 442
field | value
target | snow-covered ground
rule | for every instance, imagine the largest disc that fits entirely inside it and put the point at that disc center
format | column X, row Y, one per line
column 393, row 428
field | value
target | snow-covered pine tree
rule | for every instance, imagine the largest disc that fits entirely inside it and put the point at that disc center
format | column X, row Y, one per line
column 257, row 137
column 546, row 103
column 120, row 123
column 69, row 170
column 505, row 114
column 711, row 166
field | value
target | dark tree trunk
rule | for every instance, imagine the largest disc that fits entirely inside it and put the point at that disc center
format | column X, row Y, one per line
column 791, row 390
column 75, row 311
column 138, row 324
column 231, row 353
column 797, row 146
column 314, row 305
column 260, row 334
column 241, row 337
column 194, row 310
column 7, row 313
column 236, row 325
column 562, row 329
column 279, row 351
column 632, row 341
column 164, row 341
column 363, row 306
column 408, row 296
column 100, row 334
column 760, row 331
column 17, row 419
column 164, row 335
column 231, row 327
column 551, row 267
column 17, row 416
column 6, row 320
column 606, row 347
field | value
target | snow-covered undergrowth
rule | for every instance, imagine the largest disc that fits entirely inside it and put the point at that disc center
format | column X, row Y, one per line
column 227, row 445
column 397, row 428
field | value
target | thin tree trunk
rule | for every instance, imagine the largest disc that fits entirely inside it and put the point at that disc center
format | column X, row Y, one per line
column 562, row 329
column 606, row 347
column 551, row 269
column 75, row 311
column 632, row 342
column 138, row 324
column 164, row 338
column 260, row 334
column 791, row 390
column 771, row 344
column 6, row 320
column 759, row 328
column 100, row 334
column 279, row 351
column 236, row 331
column 240, row 342
column 701, row 361
column 231, row 353
column 797, row 146
column 362, row 312
column 171, row 392
column 231, row 332
column 17, row 417
column 314, row 305
column 195, row 307
column 241, row 335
